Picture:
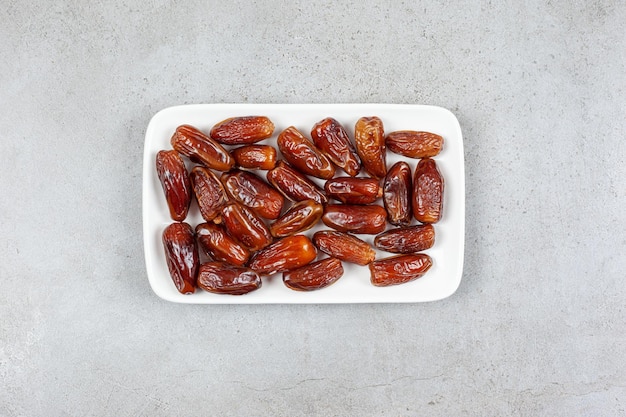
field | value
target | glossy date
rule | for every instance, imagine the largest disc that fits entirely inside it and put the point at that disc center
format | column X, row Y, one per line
column 407, row 239
column 344, row 246
column 397, row 189
column 223, row 278
column 332, row 139
column 175, row 182
column 254, row 193
column 355, row 219
column 194, row 144
column 181, row 254
column 303, row 155
column 287, row 253
column 399, row 269
column 369, row 137
column 221, row 246
column 242, row 130
column 314, row 276
column 427, row 192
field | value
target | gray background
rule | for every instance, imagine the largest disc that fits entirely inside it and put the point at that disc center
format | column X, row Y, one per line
column 537, row 326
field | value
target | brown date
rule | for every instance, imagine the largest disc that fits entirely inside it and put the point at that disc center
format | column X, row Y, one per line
column 355, row 219
column 287, row 253
column 350, row 190
column 397, row 190
column 242, row 130
column 344, row 246
column 245, row 226
column 299, row 218
column 314, row 276
column 332, row 139
column 303, row 155
column 294, row 185
column 209, row 192
column 221, row 246
column 255, row 157
column 254, row 193
column 399, row 269
column 181, row 254
column 175, row 182
column 369, row 137
column 223, row 278
column 407, row 239
column 414, row 144
column 427, row 192
column 200, row 148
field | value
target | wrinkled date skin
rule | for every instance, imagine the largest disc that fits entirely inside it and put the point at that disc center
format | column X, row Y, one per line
column 406, row 240
column 427, row 192
column 209, row 192
column 242, row 130
column 255, row 157
column 397, row 189
column 287, row 253
column 220, row 246
column 223, row 278
column 181, row 253
column 414, row 144
column 332, row 139
column 344, row 246
column 200, row 148
column 245, row 226
column 350, row 190
column 175, row 181
column 294, row 185
column 302, row 216
column 314, row 276
column 399, row 269
column 355, row 219
column 369, row 137
column 303, row 155
column 254, row 193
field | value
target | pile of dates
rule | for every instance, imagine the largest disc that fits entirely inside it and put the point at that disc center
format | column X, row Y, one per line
column 253, row 226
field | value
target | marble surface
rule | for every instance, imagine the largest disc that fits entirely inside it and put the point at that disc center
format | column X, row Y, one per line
column 538, row 325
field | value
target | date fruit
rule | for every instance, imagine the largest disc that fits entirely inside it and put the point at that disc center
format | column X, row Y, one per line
column 254, row 193
column 407, row 239
column 175, row 182
column 427, row 192
column 344, row 246
column 221, row 246
column 350, row 190
column 397, row 190
column 355, row 219
column 200, row 148
column 255, row 157
column 223, row 278
column 414, row 144
column 209, row 192
column 181, row 254
column 242, row 130
column 303, row 155
column 314, row 276
column 332, row 139
column 294, row 185
column 287, row 253
column 399, row 269
column 245, row 226
column 299, row 218
column 369, row 137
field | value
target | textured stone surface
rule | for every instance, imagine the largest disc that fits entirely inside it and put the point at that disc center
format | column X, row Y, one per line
column 538, row 325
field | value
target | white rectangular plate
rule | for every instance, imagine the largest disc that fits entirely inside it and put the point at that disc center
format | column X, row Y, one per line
column 439, row 282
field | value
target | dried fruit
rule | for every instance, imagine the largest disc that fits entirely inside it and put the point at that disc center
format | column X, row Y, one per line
column 350, row 190
column 209, row 192
column 253, row 192
column 399, row 269
column 221, row 246
column 242, row 130
column 255, row 157
column 427, row 192
column 355, row 219
column 174, row 179
column 200, row 148
column 181, row 254
column 397, row 190
column 223, row 278
column 294, row 185
column 303, row 155
column 344, row 246
column 287, row 253
column 407, row 239
column 300, row 217
column 369, row 137
column 245, row 226
column 414, row 144
column 332, row 139
column 314, row 276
